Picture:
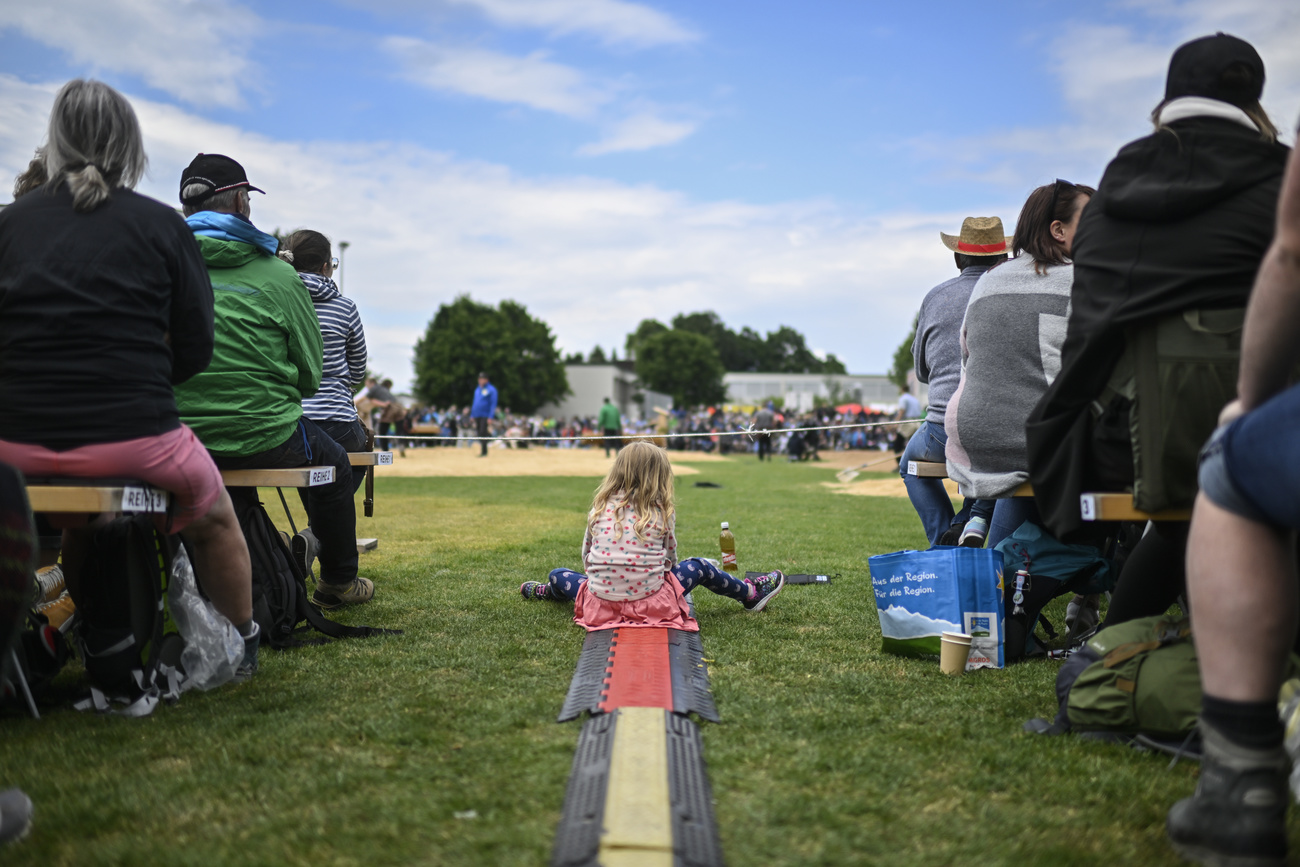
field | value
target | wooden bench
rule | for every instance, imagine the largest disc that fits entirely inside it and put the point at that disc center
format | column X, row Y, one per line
column 936, row 470
column 89, row 497
column 1119, row 507
column 370, row 459
column 291, row 477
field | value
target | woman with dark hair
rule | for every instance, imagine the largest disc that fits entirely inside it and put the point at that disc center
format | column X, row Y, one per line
column 105, row 305
column 1164, row 261
column 1011, row 351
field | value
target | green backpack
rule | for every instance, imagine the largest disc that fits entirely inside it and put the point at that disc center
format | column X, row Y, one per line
column 1139, row 677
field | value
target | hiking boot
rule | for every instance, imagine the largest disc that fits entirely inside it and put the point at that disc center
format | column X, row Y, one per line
column 536, row 590
column 1237, row 818
column 977, row 529
column 765, row 590
column 15, row 815
column 305, row 548
column 248, row 665
column 358, row 591
column 49, row 583
column 57, row 611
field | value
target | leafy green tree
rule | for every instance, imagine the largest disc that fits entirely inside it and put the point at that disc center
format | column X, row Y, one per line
column 903, row 357
column 574, row 358
column 741, row 351
column 682, row 364
column 782, row 351
column 646, row 329
column 833, row 364
column 517, row 351
column 597, row 356
column 788, row 353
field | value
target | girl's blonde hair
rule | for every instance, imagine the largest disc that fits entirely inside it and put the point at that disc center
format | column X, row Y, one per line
column 641, row 480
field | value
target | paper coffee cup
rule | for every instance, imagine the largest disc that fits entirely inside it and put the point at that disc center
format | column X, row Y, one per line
column 954, row 650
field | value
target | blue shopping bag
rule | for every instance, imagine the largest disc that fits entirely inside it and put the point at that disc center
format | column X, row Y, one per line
column 922, row 594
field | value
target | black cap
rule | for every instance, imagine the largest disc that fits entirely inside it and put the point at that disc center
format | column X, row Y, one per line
column 1197, row 69
column 217, row 172
column 482, row 375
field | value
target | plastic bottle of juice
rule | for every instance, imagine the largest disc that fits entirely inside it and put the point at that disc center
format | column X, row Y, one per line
column 727, row 543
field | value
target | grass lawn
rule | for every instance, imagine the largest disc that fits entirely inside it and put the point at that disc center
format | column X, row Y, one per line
column 439, row 746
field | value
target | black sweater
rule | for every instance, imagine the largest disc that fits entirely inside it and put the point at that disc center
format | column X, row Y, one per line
column 100, row 313
column 1181, row 220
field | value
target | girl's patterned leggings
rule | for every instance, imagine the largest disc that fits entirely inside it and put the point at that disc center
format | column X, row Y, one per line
column 690, row 574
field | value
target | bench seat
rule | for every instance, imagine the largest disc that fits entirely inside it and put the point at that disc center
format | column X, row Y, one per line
column 1119, row 507
column 292, row 477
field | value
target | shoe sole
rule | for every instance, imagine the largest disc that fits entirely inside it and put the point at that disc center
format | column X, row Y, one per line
column 335, row 602
column 301, row 552
column 1212, row 858
column 762, row 603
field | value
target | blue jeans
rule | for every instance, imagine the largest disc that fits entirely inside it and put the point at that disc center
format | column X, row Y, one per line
column 352, row 436
column 928, row 496
column 331, row 510
column 1251, row 467
column 1008, row 514
column 690, row 574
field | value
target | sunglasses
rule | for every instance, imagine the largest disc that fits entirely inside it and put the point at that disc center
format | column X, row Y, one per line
column 334, row 263
column 1056, row 194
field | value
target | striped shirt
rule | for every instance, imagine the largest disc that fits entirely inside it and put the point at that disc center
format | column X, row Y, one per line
column 345, row 351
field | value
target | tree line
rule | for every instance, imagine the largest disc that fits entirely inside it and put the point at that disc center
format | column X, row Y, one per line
column 686, row 360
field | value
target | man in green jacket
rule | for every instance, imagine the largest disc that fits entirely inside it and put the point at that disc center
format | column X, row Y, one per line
column 247, row 406
column 610, row 425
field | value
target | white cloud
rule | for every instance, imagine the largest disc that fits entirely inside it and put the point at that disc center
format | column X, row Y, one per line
column 639, row 132
column 613, row 21
column 533, row 80
column 590, row 257
column 1112, row 76
column 195, row 50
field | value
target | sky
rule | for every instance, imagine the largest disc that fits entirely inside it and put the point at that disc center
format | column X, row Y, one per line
column 606, row 161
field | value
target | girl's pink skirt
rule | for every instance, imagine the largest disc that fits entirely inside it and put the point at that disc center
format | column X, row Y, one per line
column 666, row 608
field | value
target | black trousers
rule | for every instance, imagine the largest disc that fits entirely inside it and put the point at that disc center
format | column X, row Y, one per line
column 481, row 426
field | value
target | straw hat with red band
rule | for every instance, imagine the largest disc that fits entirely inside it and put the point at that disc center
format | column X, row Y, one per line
column 980, row 236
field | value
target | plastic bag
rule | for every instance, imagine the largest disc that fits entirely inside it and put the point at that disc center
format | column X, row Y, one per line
column 213, row 646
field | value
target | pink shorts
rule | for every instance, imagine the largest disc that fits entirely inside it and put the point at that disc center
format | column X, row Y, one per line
column 175, row 461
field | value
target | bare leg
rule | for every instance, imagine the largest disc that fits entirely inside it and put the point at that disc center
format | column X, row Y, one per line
column 1241, row 586
column 221, row 563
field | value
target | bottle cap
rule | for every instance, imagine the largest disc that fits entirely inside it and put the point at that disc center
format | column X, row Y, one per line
column 726, row 526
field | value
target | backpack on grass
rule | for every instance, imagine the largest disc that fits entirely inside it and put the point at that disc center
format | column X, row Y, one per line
column 1139, row 677
column 126, row 636
column 280, row 600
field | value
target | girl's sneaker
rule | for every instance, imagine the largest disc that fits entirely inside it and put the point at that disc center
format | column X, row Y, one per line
column 535, row 590
column 765, row 589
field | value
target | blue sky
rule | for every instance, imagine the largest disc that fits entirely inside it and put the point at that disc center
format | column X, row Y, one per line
column 602, row 161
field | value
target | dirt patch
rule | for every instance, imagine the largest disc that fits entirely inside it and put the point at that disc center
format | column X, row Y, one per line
column 520, row 462
column 883, row 488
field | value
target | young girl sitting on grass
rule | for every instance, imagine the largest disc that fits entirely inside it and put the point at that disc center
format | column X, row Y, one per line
column 629, row 555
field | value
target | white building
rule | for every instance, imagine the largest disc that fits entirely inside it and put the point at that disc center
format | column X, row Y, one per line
column 592, row 383
column 797, row 390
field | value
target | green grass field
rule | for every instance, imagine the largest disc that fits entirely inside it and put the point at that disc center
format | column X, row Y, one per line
column 440, row 746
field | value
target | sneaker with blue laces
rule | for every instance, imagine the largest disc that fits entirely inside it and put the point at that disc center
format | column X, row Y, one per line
column 765, row 590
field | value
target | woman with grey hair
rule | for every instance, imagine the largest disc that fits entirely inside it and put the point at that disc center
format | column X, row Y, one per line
column 105, row 304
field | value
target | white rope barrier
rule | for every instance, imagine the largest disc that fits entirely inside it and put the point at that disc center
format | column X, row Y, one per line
column 747, row 431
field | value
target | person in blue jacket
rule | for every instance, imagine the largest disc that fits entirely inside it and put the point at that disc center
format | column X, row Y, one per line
column 483, row 409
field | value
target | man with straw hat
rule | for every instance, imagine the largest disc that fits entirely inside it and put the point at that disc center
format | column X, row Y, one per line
column 936, row 352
